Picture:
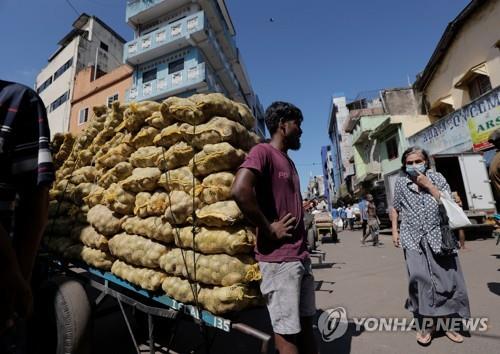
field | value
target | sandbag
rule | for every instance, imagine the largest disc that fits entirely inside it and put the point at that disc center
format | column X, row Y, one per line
column 142, row 180
column 181, row 207
column 156, row 228
column 215, row 104
column 183, row 110
column 146, row 156
column 217, row 269
column 145, row 137
column 114, row 156
column 246, row 117
column 103, row 136
column 91, row 238
column 169, row 136
column 180, row 179
column 104, row 221
column 119, row 200
column 220, row 214
column 216, row 158
column 148, row 279
column 135, row 115
column 137, row 250
column 141, row 204
column 229, row 240
column 93, row 257
column 216, row 187
column 82, row 191
column 159, row 121
column 116, row 174
column 180, row 289
column 176, row 156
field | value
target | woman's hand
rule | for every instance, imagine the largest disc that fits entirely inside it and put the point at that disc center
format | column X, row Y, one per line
column 395, row 239
column 423, row 181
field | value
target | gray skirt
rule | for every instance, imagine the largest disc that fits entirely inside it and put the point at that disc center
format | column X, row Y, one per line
column 436, row 284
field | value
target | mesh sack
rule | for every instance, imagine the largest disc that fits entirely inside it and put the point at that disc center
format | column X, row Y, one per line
column 216, row 158
column 159, row 121
column 183, row 110
column 169, row 136
column 83, row 175
column 155, row 228
column 181, row 207
column 216, row 187
column 234, row 298
column 93, row 257
column 229, row 240
column 215, row 104
column 220, row 214
column 91, row 238
column 148, row 279
column 135, row 115
column 145, row 137
column 141, row 204
column 176, row 156
column 82, row 191
column 180, row 179
column 142, row 180
column 216, row 269
column 114, row 156
column 116, row 174
column 104, row 221
column 157, row 204
column 119, row 200
column 146, row 156
column 137, row 250
column 216, row 130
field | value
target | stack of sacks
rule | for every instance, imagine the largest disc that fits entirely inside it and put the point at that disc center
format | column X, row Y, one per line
column 145, row 174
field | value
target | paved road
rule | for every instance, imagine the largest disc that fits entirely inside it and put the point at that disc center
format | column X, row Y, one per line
column 367, row 282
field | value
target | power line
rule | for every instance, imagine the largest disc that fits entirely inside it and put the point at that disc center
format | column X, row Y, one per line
column 73, row 7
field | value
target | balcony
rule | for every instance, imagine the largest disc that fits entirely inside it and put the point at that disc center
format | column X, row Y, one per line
column 164, row 40
column 356, row 114
column 373, row 170
column 191, row 78
column 142, row 11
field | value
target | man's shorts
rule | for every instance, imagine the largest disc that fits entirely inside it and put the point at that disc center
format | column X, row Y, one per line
column 288, row 288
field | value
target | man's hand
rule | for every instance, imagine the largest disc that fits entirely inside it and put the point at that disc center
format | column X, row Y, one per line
column 281, row 228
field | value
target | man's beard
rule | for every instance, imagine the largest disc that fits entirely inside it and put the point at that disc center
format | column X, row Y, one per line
column 293, row 143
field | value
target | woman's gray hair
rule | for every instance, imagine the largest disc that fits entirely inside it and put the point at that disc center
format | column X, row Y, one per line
column 412, row 150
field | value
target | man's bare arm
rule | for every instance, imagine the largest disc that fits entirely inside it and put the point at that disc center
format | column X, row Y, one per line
column 243, row 192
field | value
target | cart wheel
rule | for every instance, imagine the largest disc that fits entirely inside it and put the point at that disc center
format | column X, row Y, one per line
column 67, row 325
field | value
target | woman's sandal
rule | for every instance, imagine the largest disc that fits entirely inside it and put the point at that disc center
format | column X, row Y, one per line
column 424, row 337
column 454, row 336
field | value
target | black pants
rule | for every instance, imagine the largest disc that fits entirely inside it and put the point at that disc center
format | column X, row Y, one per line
column 363, row 226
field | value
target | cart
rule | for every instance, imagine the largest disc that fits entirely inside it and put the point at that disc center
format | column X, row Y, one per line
column 153, row 305
column 325, row 227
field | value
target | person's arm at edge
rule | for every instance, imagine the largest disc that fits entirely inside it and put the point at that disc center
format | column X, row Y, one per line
column 394, row 222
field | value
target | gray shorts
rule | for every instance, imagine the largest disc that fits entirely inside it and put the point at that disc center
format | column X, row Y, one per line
column 288, row 288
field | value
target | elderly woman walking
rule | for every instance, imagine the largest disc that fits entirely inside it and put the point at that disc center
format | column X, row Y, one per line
column 436, row 283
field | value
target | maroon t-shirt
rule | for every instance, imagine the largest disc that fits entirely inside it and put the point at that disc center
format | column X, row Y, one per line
column 278, row 193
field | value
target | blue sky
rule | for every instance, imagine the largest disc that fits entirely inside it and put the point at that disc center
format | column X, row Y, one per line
column 304, row 56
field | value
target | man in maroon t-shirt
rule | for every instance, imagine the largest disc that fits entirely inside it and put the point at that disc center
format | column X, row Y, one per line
column 267, row 190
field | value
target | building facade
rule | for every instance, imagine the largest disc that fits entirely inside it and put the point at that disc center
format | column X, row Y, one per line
column 88, row 93
column 328, row 174
column 90, row 43
column 181, row 47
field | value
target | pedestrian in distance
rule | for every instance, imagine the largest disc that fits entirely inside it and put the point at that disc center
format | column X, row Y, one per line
column 350, row 216
column 343, row 216
column 372, row 221
column 267, row 190
column 363, row 209
column 459, row 232
column 26, row 174
column 436, row 284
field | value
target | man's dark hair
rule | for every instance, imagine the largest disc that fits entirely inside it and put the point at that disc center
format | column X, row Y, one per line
column 412, row 150
column 281, row 111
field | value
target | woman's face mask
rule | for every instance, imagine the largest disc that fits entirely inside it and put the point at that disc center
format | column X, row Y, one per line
column 414, row 169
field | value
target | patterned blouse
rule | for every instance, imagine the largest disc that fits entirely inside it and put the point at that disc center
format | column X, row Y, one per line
column 419, row 212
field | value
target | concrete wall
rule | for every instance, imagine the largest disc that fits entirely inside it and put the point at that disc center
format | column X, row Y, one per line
column 399, row 101
column 88, row 93
column 473, row 45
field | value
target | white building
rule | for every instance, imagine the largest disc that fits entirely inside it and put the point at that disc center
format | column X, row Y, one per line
column 90, row 42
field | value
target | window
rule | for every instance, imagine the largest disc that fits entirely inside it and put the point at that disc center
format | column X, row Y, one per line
column 104, row 46
column 83, row 116
column 149, row 75
column 392, row 148
column 59, row 101
column 45, row 84
column 478, row 85
column 175, row 66
column 63, row 68
column 112, row 99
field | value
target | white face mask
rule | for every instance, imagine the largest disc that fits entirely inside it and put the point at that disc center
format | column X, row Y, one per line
column 413, row 170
